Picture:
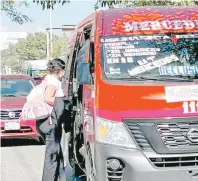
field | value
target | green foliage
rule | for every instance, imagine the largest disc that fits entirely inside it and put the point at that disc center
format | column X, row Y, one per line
column 49, row 4
column 59, row 45
column 9, row 58
column 34, row 47
column 129, row 3
column 11, row 9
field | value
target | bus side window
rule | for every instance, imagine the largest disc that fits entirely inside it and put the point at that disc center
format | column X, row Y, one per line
column 86, row 34
column 90, row 49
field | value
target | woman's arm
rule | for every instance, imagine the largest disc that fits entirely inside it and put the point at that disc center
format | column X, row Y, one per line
column 49, row 96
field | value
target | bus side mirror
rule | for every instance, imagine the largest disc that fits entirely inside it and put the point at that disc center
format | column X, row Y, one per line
column 83, row 73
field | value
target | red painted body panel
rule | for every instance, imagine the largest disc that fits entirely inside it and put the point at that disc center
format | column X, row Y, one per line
column 113, row 20
column 115, row 102
column 118, row 101
column 132, row 100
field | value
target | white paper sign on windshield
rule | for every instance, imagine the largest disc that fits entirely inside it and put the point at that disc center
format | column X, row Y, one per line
column 181, row 93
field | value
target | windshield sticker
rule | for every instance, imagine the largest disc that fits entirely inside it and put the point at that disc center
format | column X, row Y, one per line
column 190, row 107
column 122, row 60
column 146, row 60
column 140, row 54
column 157, row 25
column 174, row 39
column 178, row 70
column 117, row 42
column 146, row 22
column 114, row 71
column 181, row 93
column 152, row 65
column 134, row 55
column 125, row 52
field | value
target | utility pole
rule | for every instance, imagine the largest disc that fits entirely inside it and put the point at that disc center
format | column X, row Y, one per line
column 48, row 44
column 51, row 41
column 65, row 28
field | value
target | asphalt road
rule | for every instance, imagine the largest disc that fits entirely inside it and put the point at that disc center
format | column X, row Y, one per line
column 21, row 160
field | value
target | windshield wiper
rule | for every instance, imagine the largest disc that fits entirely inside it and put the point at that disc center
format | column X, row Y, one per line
column 22, row 94
column 157, row 78
column 175, row 79
column 8, row 95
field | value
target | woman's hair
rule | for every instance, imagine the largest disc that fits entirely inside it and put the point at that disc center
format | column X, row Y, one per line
column 56, row 65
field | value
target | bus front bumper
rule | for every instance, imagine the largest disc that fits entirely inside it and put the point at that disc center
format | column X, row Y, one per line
column 136, row 165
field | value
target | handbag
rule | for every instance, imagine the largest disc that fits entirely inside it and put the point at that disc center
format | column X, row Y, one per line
column 35, row 107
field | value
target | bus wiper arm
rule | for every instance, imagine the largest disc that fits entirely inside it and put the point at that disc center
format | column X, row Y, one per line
column 8, row 95
column 177, row 79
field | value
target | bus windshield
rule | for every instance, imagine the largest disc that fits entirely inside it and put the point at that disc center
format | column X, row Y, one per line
column 162, row 55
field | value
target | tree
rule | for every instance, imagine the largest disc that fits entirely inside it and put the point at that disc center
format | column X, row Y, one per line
column 49, row 4
column 59, row 45
column 34, row 47
column 129, row 3
column 9, row 58
column 11, row 9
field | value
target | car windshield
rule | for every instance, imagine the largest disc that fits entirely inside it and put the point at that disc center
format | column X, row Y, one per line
column 15, row 87
column 162, row 56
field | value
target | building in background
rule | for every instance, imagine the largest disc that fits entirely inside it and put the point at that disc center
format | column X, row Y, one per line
column 7, row 38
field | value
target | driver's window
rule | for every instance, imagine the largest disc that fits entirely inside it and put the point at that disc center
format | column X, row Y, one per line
column 86, row 52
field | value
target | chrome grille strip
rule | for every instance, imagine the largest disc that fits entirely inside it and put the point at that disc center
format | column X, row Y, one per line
column 4, row 114
column 175, row 161
column 175, row 134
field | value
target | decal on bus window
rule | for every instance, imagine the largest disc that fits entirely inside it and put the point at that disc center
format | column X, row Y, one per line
column 114, row 71
column 190, row 107
column 178, row 70
column 147, row 22
column 152, row 65
column 122, row 41
column 181, row 93
column 140, row 53
column 122, row 60
column 136, row 55
column 160, row 25
column 146, row 60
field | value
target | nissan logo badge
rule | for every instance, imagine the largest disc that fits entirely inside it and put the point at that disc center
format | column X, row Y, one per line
column 11, row 115
column 192, row 135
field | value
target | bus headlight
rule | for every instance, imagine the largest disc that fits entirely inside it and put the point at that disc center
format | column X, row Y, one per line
column 114, row 133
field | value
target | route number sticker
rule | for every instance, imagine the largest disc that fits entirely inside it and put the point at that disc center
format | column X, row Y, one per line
column 190, row 107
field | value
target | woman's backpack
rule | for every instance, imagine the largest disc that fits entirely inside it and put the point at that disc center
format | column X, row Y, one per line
column 35, row 107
